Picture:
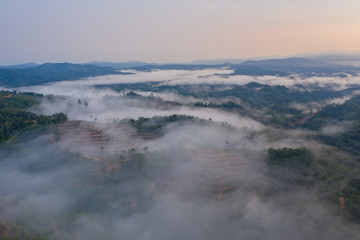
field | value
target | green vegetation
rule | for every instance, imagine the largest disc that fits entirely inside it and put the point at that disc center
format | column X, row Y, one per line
column 229, row 105
column 337, row 179
column 155, row 124
column 333, row 175
column 352, row 195
column 294, row 159
column 272, row 102
column 348, row 111
column 301, row 165
column 270, row 105
column 253, row 94
column 348, row 141
column 14, row 117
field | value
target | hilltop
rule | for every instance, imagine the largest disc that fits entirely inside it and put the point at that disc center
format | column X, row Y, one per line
column 50, row 72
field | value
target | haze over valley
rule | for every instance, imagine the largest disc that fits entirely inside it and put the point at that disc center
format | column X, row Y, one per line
column 181, row 152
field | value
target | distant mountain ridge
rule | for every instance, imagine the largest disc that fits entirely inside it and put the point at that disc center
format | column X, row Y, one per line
column 119, row 65
column 345, row 59
column 292, row 63
column 302, row 66
column 279, row 67
column 50, row 72
column 22, row 66
column 53, row 72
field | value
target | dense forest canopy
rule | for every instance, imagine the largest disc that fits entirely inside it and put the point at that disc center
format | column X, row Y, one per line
column 14, row 116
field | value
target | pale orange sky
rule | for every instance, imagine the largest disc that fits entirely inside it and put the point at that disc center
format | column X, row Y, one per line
column 173, row 30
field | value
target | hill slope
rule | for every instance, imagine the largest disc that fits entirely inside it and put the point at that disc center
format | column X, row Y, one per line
column 22, row 66
column 301, row 65
column 272, row 67
column 50, row 72
column 14, row 116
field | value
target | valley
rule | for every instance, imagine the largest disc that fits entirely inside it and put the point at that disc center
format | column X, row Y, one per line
column 167, row 150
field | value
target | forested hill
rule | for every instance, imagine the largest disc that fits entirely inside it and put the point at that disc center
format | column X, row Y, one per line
column 272, row 67
column 50, row 72
column 21, row 66
column 13, row 115
column 302, row 66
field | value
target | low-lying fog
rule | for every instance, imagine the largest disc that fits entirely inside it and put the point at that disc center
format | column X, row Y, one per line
column 52, row 187
column 104, row 108
column 208, row 76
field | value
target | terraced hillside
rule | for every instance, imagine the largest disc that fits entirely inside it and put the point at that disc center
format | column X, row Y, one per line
column 80, row 131
column 214, row 172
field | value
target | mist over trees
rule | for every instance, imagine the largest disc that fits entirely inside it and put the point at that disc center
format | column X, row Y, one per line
column 181, row 154
column 14, row 117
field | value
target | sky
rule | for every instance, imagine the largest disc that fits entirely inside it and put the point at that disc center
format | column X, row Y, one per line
column 173, row 30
